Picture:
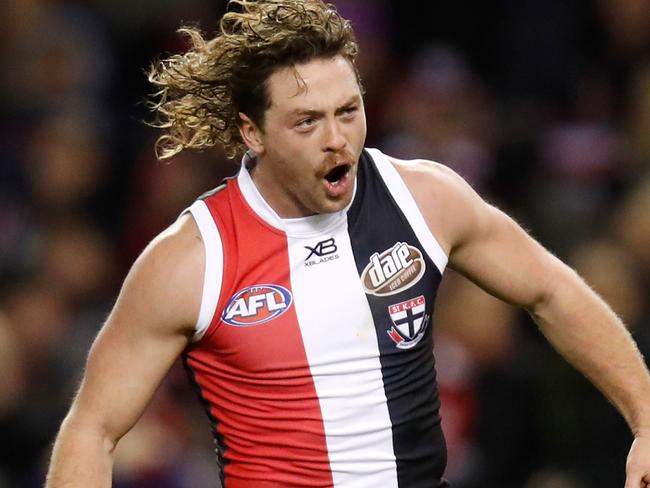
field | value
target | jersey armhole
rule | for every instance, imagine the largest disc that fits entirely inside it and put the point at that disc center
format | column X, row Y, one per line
column 213, row 273
column 409, row 207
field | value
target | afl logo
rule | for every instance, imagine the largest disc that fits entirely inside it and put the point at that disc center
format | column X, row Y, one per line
column 394, row 270
column 257, row 304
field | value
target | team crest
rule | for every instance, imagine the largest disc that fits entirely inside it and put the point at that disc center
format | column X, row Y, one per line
column 256, row 305
column 410, row 321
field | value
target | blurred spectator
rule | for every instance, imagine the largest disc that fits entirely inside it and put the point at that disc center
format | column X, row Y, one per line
column 488, row 379
column 628, row 25
column 605, row 438
column 77, row 262
column 159, row 192
column 58, row 53
column 585, row 433
column 543, row 106
column 552, row 478
column 579, row 166
column 615, row 275
column 66, row 164
column 441, row 111
column 631, row 223
column 38, row 322
column 374, row 32
column 639, row 108
column 12, row 390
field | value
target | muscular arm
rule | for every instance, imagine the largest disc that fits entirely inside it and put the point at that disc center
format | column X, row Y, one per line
column 489, row 248
column 147, row 329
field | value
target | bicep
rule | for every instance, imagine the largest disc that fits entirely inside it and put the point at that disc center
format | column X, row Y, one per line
column 499, row 256
column 148, row 328
column 123, row 370
column 482, row 242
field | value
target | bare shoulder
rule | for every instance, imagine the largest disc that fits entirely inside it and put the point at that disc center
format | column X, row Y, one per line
column 176, row 247
column 166, row 281
column 448, row 203
column 424, row 176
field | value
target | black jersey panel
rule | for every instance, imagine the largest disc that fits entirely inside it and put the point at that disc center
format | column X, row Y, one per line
column 400, row 282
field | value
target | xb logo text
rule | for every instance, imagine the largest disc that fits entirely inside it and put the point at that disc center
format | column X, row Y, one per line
column 324, row 251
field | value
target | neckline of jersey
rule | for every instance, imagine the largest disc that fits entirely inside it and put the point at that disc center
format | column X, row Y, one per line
column 299, row 226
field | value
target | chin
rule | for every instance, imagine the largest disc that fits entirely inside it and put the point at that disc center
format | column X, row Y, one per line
column 332, row 206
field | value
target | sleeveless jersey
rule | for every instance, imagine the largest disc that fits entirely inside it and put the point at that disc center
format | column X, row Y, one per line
column 314, row 352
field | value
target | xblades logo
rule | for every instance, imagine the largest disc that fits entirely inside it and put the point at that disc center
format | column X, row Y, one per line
column 323, row 248
column 324, row 251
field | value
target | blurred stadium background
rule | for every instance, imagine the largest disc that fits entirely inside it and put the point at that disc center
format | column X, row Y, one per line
column 543, row 105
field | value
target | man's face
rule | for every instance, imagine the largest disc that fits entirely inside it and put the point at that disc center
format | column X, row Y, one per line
column 313, row 135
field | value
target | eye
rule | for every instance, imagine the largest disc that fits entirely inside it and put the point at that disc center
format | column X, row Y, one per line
column 307, row 122
column 348, row 111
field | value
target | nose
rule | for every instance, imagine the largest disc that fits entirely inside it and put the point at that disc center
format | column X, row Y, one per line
column 334, row 139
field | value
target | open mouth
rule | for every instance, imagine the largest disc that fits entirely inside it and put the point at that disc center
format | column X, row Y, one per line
column 337, row 173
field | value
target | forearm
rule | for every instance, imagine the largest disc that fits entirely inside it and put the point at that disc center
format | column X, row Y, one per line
column 82, row 457
column 594, row 340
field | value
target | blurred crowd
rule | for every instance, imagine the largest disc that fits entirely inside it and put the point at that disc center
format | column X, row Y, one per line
column 544, row 106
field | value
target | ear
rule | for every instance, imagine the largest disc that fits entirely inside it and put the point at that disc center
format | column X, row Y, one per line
column 251, row 134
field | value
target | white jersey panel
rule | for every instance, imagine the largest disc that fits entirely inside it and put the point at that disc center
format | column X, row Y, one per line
column 213, row 274
column 407, row 204
column 341, row 346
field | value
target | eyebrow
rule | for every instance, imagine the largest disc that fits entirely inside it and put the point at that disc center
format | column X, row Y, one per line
column 314, row 113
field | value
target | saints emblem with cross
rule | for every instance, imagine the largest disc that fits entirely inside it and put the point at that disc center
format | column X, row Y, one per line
column 410, row 321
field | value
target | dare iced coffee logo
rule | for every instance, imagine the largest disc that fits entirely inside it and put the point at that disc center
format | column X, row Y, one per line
column 393, row 270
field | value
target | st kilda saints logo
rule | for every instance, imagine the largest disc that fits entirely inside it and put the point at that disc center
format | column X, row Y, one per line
column 394, row 270
column 322, row 252
column 256, row 304
column 410, row 321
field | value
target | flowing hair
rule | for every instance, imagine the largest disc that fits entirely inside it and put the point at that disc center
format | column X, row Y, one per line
column 199, row 94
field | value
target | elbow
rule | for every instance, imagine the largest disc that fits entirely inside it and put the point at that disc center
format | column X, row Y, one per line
column 558, row 282
column 540, row 302
column 89, row 430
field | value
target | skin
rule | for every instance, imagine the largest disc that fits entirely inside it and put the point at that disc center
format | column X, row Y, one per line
column 316, row 122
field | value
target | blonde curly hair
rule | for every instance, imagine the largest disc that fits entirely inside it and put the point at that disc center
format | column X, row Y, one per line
column 200, row 93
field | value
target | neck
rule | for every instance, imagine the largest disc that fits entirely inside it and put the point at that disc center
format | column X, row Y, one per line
column 281, row 201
